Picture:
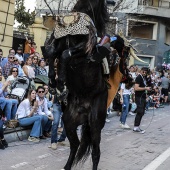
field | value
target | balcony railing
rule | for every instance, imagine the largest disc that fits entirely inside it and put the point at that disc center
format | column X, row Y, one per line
column 155, row 3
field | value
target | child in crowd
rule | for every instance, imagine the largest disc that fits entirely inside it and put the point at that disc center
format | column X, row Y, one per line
column 27, row 48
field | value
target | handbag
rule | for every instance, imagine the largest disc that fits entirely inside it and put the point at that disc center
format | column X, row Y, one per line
column 13, row 123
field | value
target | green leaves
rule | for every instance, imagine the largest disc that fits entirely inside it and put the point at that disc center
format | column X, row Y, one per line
column 25, row 18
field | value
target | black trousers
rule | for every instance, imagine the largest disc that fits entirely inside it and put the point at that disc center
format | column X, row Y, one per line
column 141, row 104
column 1, row 130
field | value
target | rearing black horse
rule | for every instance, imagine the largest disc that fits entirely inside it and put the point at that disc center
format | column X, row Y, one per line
column 87, row 89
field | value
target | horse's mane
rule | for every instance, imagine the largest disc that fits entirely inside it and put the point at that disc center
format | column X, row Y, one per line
column 97, row 10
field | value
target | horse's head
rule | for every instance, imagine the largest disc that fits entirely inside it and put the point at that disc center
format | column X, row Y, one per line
column 125, row 50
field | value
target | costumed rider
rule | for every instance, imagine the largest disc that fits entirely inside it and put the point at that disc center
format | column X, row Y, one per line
column 96, row 53
column 100, row 55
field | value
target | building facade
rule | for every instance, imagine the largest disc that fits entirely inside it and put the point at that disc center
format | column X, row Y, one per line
column 148, row 23
column 6, row 25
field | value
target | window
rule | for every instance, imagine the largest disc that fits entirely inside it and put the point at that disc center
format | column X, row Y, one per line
column 167, row 37
column 142, row 29
column 154, row 3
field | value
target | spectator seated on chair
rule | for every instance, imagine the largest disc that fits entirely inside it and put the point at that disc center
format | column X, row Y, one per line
column 41, row 68
column 10, row 107
column 47, row 116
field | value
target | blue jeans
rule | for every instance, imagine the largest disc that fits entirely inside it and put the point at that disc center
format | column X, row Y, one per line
column 57, row 113
column 36, row 120
column 10, row 107
column 26, row 55
column 125, row 108
column 2, row 103
column 46, row 123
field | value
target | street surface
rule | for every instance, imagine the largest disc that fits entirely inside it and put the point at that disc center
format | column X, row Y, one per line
column 120, row 149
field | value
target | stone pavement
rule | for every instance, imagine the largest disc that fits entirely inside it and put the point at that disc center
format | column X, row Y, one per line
column 120, row 149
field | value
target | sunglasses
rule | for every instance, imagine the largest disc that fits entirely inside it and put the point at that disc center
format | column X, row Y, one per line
column 144, row 72
column 11, row 57
column 14, row 71
column 40, row 91
column 35, row 58
column 15, row 60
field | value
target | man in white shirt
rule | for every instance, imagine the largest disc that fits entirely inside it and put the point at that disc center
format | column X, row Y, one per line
column 47, row 116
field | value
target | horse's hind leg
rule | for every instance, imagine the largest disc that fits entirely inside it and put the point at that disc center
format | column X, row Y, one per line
column 74, row 143
column 97, row 123
column 96, row 137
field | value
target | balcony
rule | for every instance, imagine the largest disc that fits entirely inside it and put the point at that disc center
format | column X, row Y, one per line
column 159, row 8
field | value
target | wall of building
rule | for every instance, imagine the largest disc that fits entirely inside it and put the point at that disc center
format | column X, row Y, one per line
column 6, row 25
column 152, row 48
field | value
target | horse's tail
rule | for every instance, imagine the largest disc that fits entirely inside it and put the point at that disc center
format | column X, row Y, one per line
column 85, row 145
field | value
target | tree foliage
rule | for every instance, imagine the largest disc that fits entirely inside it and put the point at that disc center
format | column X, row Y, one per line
column 25, row 18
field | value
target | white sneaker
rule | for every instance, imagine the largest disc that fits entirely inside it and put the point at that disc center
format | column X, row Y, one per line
column 107, row 120
column 33, row 139
column 138, row 130
column 54, row 146
column 125, row 126
column 132, row 114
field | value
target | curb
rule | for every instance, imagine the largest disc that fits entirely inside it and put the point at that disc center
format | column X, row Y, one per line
column 11, row 135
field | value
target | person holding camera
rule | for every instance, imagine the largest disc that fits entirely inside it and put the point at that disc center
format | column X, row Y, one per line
column 140, row 98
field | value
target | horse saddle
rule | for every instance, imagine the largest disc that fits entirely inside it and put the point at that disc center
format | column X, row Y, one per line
column 72, row 24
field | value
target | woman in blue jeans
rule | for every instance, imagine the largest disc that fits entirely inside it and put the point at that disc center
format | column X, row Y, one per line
column 125, row 92
column 26, row 114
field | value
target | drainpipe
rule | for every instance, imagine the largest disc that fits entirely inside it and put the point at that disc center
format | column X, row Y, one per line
column 5, row 22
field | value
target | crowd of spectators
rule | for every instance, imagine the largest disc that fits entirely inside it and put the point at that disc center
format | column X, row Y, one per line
column 157, row 97
column 36, row 109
